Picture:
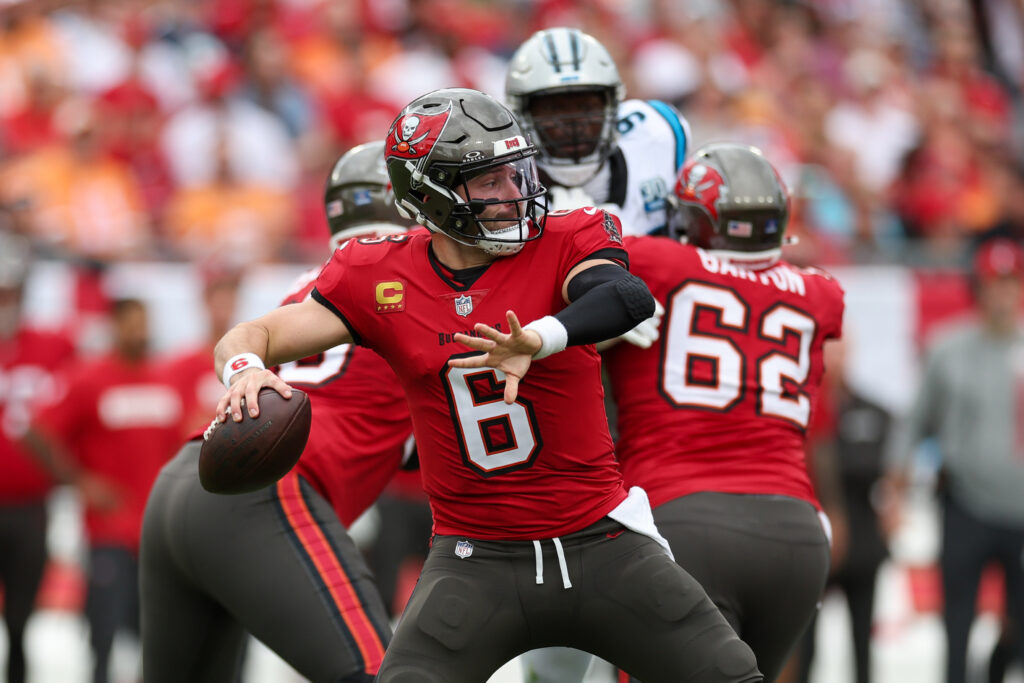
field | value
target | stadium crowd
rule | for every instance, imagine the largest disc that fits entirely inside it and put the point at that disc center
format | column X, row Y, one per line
column 158, row 129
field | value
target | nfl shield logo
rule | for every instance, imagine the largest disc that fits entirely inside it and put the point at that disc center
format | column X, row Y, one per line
column 463, row 549
column 464, row 305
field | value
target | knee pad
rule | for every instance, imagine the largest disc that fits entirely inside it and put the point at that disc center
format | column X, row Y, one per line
column 735, row 659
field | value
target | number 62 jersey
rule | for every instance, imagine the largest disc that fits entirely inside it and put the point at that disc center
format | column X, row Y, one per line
column 722, row 401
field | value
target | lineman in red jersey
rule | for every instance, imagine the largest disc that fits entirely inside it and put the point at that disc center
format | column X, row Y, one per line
column 534, row 542
column 30, row 361
column 712, row 418
column 279, row 561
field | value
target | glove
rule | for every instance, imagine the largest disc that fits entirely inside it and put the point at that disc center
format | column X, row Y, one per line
column 646, row 333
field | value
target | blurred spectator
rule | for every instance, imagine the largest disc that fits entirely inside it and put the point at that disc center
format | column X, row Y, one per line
column 31, row 124
column 97, row 56
column 230, row 214
column 109, row 434
column 29, row 45
column 133, row 128
column 855, row 432
column 268, row 84
column 972, row 400
column 29, row 363
column 83, row 201
column 874, row 116
column 222, row 127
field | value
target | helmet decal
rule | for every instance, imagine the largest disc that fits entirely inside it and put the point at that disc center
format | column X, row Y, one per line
column 413, row 135
column 703, row 185
column 730, row 199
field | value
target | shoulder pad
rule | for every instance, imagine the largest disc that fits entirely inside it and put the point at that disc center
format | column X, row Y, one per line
column 365, row 251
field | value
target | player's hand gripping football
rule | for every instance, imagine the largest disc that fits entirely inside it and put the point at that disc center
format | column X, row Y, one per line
column 245, row 386
column 511, row 353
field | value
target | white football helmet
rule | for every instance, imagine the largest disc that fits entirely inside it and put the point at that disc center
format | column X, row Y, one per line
column 557, row 61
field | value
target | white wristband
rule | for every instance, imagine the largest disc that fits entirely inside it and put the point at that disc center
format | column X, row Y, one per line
column 236, row 364
column 553, row 335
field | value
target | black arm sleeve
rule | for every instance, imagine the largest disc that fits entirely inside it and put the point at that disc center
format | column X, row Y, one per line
column 607, row 301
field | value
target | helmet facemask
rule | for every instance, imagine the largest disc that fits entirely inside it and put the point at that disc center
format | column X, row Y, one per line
column 564, row 72
column 499, row 207
column 574, row 130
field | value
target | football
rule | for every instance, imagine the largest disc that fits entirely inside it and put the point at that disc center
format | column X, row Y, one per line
column 238, row 457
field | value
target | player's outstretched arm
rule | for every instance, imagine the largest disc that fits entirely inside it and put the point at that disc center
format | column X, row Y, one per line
column 511, row 353
column 284, row 334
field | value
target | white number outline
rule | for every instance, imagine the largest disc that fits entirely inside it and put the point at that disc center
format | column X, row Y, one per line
column 331, row 365
column 781, row 366
column 691, row 308
column 465, row 408
column 773, row 368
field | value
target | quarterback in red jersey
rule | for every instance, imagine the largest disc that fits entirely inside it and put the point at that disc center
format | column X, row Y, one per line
column 519, row 467
column 279, row 562
column 712, row 419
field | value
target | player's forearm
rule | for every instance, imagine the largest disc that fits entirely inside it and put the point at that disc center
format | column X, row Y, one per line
column 247, row 337
column 51, row 456
column 284, row 334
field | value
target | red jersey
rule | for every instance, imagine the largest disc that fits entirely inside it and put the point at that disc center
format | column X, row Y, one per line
column 120, row 422
column 193, row 372
column 29, row 365
column 722, row 401
column 360, row 421
column 541, row 467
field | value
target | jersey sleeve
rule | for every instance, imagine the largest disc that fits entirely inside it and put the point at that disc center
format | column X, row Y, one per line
column 680, row 129
column 597, row 234
column 332, row 289
column 836, row 305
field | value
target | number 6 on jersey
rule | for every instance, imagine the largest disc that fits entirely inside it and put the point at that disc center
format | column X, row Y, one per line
column 495, row 437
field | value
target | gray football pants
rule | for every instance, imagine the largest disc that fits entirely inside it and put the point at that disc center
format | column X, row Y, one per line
column 478, row 604
column 276, row 562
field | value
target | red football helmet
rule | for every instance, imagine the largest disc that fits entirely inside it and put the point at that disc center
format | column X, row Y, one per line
column 729, row 198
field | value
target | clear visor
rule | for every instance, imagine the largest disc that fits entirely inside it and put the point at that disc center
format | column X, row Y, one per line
column 508, row 183
column 501, row 202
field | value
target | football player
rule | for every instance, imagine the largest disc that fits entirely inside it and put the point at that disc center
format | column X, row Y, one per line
column 594, row 148
column 279, row 562
column 30, row 362
column 537, row 542
column 112, row 428
column 712, row 418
